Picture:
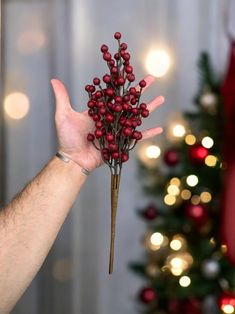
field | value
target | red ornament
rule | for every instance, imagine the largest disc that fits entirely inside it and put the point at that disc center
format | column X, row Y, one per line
column 150, row 212
column 198, row 154
column 197, row 213
column 171, row 157
column 147, row 295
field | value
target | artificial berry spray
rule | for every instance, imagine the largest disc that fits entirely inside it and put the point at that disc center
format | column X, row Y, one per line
column 116, row 111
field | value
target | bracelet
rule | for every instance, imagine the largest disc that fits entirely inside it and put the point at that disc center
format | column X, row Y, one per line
column 66, row 159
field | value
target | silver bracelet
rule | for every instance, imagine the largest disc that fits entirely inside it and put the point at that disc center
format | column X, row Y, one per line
column 66, row 159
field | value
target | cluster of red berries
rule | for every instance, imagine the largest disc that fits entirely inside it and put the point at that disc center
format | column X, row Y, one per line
column 116, row 108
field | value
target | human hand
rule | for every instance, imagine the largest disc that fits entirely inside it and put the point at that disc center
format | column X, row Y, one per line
column 72, row 127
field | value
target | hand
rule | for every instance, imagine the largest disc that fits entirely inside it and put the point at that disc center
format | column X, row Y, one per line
column 73, row 127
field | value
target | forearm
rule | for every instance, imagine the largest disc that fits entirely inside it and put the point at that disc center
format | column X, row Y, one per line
column 30, row 224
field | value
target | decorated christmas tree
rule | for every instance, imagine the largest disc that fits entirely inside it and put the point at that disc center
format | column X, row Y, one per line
column 186, row 266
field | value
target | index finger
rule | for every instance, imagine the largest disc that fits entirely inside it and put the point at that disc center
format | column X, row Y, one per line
column 149, row 79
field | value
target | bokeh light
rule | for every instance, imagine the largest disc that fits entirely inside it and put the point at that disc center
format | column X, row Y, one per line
column 190, row 139
column 228, row 308
column 175, row 181
column 186, row 194
column 178, row 130
column 185, row 281
column 211, row 161
column 169, row 199
column 158, row 62
column 153, row 151
column 16, row 105
column 207, row 142
column 157, row 238
column 192, row 180
column 173, row 190
column 205, row 197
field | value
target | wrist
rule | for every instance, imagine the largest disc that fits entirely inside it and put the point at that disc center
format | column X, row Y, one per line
column 67, row 159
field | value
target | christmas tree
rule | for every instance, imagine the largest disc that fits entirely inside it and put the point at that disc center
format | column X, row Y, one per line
column 186, row 266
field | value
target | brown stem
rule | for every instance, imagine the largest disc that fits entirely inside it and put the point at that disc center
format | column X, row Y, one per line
column 115, row 181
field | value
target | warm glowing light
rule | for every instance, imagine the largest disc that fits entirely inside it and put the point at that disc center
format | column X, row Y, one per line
column 195, row 200
column 30, row 41
column 186, row 195
column 224, row 248
column 211, row 161
column 175, row 181
column 157, row 239
column 169, row 199
column 192, row 180
column 205, row 197
column 178, row 130
column 173, row 190
column 207, row 142
column 153, row 152
column 176, row 245
column 176, row 271
column 227, row 308
column 185, row 281
column 190, row 139
column 158, row 62
column 16, row 105
column 177, row 262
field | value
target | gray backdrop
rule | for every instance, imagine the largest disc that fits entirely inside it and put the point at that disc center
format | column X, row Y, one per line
column 71, row 33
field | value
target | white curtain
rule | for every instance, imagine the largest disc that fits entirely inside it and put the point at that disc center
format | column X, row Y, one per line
column 74, row 31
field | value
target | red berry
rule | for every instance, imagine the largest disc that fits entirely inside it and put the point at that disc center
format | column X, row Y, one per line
column 125, row 107
column 100, row 104
column 142, row 83
column 143, row 106
column 124, row 157
column 128, row 123
column 107, row 56
column 139, row 122
column 91, row 104
column 124, row 46
column 107, row 78
column 113, row 147
column 91, row 88
column 87, row 88
column 106, row 156
column 118, row 99
column 131, row 77
column 115, row 155
column 109, row 117
column 126, row 56
column 126, row 98
column 137, row 135
column 128, row 69
column 90, row 137
column 96, row 117
column 122, row 121
column 98, row 95
column 98, row 133
column 109, row 92
column 121, row 81
column 104, row 48
column 109, row 137
column 138, row 94
column 145, row 113
column 132, row 91
column 114, row 70
column 117, row 56
column 133, row 101
column 117, row 108
column 117, row 35
column 110, row 105
column 90, row 112
column 96, row 81
column 102, row 110
column 111, row 63
column 99, row 124
column 127, row 131
column 135, row 111
column 134, row 124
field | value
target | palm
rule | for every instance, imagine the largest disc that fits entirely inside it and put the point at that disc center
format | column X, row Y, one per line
column 73, row 127
column 72, row 134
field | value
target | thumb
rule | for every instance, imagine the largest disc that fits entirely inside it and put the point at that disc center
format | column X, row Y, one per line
column 61, row 95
